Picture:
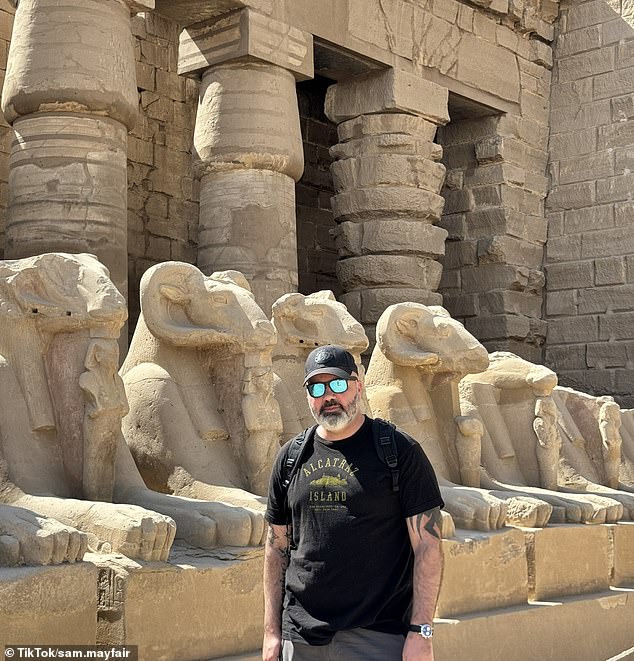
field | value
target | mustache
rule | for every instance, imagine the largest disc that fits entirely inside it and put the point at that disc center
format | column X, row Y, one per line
column 330, row 402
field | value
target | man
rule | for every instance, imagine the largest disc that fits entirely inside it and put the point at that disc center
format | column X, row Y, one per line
column 350, row 563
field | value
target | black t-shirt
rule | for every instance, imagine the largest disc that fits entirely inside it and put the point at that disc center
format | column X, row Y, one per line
column 351, row 565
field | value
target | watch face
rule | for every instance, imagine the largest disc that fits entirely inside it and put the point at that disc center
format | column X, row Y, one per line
column 426, row 630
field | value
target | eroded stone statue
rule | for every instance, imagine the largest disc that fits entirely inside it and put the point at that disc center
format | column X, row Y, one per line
column 420, row 355
column 60, row 317
column 521, row 441
column 626, row 473
column 303, row 323
column 590, row 429
column 203, row 422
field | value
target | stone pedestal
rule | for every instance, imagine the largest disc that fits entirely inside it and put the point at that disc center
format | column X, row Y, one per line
column 387, row 181
column 483, row 571
column 622, row 538
column 587, row 628
column 70, row 94
column 48, row 605
column 200, row 605
column 248, row 146
column 567, row 560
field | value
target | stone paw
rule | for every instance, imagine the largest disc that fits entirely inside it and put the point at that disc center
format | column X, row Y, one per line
column 29, row 539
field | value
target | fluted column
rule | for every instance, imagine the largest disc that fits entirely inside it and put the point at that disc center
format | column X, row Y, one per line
column 248, row 146
column 70, row 94
column 387, row 181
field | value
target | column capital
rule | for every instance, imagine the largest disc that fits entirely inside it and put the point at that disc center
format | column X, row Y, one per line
column 388, row 91
column 245, row 34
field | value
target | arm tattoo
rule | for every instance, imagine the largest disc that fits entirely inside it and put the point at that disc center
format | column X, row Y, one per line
column 428, row 521
column 273, row 537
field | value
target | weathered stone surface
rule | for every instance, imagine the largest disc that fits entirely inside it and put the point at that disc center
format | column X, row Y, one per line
column 467, row 590
column 246, row 34
column 387, row 202
column 229, row 135
column 367, row 305
column 501, row 276
column 217, row 592
column 509, row 250
column 388, row 270
column 383, row 124
column 35, row 609
column 387, row 170
column 573, row 330
column 495, row 69
column 390, row 236
column 543, row 630
column 623, row 540
column 587, row 568
column 247, row 222
column 390, row 143
column 392, row 90
column 571, row 275
column 50, row 70
column 68, row 189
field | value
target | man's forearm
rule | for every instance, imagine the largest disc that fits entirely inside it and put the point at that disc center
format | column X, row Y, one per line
column 424, row 532
column 428, row 566
column 276, row 557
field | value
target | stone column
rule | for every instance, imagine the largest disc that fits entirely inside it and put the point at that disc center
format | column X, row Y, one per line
column 70, row 94
column 248, row 146
column 387, row 181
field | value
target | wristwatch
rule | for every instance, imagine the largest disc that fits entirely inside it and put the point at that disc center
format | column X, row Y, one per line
column 425, row 630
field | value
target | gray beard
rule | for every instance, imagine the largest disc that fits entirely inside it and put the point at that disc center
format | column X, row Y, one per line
column 337, row 420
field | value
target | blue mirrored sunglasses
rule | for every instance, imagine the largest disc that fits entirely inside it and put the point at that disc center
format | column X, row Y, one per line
column 337, row 386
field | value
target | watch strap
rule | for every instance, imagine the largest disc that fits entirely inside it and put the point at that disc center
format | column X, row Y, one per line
column 424, row 630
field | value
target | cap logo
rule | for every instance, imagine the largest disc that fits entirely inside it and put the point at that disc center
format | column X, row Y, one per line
column 323, row 357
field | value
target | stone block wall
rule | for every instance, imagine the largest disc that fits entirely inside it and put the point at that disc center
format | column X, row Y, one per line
column 162, row 190
column 6, row 134
column 494, row 202
column 590, row 249
column 316, row 252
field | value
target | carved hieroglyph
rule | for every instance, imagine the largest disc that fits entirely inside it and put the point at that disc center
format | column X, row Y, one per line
column 520, row 441
column 60, row 316
column 591, row 447
column 420, row 355
column 303, row 323
column 203, row 422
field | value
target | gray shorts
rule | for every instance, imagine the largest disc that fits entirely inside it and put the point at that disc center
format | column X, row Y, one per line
column 351, row 645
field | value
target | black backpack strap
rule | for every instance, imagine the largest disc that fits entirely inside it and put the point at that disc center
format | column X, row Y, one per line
column 295, row 454
column 294, row 458
column 385, row 444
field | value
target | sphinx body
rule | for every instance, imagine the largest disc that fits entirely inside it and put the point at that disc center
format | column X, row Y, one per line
column 592, row 447
column 303, row 323
column 521, row 445
column 55, row 310
column 203, row 421
column 626, row 472
column 420, row 355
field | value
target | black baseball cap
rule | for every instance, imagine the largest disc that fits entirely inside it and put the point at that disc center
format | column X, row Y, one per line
column 330, row 359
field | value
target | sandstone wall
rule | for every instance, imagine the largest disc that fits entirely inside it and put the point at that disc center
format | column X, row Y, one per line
column 162, row 190
column 6, row 134
column 494, row 192
column 590, row 250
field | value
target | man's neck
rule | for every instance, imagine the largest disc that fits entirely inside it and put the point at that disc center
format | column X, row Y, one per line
column 350, row 429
